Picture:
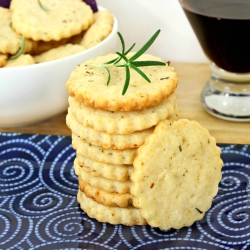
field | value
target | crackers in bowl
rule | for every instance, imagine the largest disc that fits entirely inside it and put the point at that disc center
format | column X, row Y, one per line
column 49, row 30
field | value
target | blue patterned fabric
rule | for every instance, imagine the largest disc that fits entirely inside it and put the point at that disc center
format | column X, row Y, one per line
column 38, row 208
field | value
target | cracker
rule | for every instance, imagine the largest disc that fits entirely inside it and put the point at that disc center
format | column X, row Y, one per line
column 106, row 140
column 10, row 41
column 63, row 20
column 106, row 198
column 109, row 171
column 88, row 85
column 108, row 185
column 175, row 179
column 112, row 215
column 99, row 30
column 59, row 52
column 123, row 122
column 40, row 47
column 22, row 60
column 112, row 156
column 3, row 58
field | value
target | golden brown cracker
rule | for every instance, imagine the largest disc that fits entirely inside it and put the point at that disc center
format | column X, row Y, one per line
column 3, row 58
column 105, row 198
column 88, row 84
column 176, row 174
column 59, row 21
column 10, row 41
column 112, row 156
column 106, row 140
column 99, row 30
column 120, row 122
column 109, row 171
column 22, row 60
column 59, row 52
column 112, row 215
column 108, row 185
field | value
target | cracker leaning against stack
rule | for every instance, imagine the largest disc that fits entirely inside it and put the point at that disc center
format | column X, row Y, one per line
column 129, row 147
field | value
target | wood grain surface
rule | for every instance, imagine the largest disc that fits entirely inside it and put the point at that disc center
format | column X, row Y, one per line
column 192, row 78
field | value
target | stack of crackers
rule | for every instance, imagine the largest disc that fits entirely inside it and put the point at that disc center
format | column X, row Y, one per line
column 51, row 31
column 135, row 160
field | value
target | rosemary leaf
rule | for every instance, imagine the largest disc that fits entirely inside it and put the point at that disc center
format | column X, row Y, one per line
column 127, row 80
column 139, row 72
column 108, row 73
column 148, row 63
column 20, row 52
column 130, row 62
column 122, row 41
column 42, row 6
column 129, row 49
column 123, row 57
column 145, row 46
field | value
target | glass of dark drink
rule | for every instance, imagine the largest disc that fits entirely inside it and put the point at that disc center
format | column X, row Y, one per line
column 222, row 28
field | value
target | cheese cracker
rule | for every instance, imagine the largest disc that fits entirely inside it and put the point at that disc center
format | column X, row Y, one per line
column 59, row 52
column 99, row 30
column 113, row 215
column 22, row 60
column 3, row 58
column 88, row 84
column 123, row 122
column 108, row 185
column 112, row 156
column 62, row 19
column 109, row 171
column 10, row 41
column 104, row 197
column 106, row 140
column 176, row 174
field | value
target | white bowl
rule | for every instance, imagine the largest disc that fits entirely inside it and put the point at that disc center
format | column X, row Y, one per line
column 30, row 94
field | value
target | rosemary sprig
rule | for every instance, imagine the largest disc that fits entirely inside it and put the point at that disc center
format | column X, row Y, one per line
column 42, row 6
column 20, row 52
column 130, row 63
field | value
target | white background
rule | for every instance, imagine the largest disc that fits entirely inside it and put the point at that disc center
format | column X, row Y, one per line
column 139, row 19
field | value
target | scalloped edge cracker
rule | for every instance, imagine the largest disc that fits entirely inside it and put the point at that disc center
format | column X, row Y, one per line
column 88, row 84
column 112, row 215
column 176, row 174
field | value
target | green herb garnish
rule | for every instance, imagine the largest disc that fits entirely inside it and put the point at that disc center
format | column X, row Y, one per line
column 129, row 63
column 42, row 7
column 20, row 52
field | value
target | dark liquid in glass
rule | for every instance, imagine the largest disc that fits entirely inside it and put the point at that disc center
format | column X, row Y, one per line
column 222, row 28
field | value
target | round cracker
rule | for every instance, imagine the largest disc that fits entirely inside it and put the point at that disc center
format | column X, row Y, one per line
column 62, row 20
column 59, row 52
column 176, row 174
column 22, row 60
column 106, row 140
column 10, row 41
column 123, row 122
column 104, row 197
column 112, row 215
column 88, row 84
column 99, row 30
column 3, row 60
column 109, row 171
column 108, row 185
column 112, row 156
